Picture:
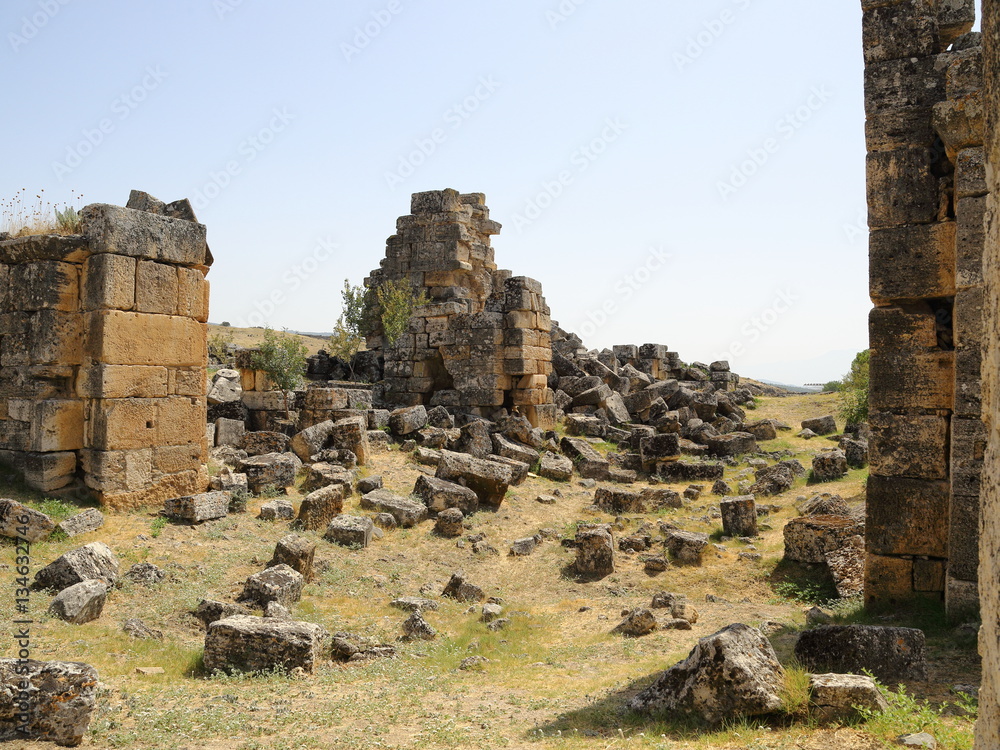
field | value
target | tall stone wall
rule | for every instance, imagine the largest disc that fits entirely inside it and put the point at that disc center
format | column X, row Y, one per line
column 484, row 340
column 988, row 724
column 926, row 199
column 103, row 354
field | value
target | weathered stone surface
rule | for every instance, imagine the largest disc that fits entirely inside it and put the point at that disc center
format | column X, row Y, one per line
column 82, row 523
column 320, row 507
column 637, row 623
column 198, row 508
column 297, row 552
column 94, row 560
column 255, row 644
column 277, row 510
column 80, row 603
column 686, row 546
column 407, row 420
column 18, row 521
column 688, row 471
column 406, row 512
column 909, row 446
column 461, row 589
column 773, row 480
column 350, row 531
column 280, row 583
column 488, row 479
column 450, row 522
column 595, row 551
column 414, row 604
column 659, row 448
column 145, row 574
column 136, row 628
column 907, row 516
column 809, row 538
column 311, row 440
column 890, row 654
column 730, row 673
column 847, row 566
column 439, row 495
column 588, row 462
column 263, row 442
column 556, row 467
column 829, row 466
column 61, row 697
column 270, row 470
column 209, row 611
column 523, row 547
column 836, row 697
column 351, row 434
column 820, row 425
column 731, row 444
column 739, row 516
column 416, row 628
column 323, row 474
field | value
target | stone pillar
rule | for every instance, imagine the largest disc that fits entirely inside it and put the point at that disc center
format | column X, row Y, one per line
column 925, row 198
column 988, row 724
column 103, row 354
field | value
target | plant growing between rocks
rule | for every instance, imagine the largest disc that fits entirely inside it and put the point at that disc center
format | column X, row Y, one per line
column 283, row 359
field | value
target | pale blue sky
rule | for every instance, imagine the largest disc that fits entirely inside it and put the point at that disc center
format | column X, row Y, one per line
column 298, row 128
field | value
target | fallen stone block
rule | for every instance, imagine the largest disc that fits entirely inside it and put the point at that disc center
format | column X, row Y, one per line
column 80, row 603
column 60, row 698
column 297, row 552
column 890, row 654
column 280, row 583
column 406, row 512
column 731, row 673
column 449, row 522
column 350, row 531
column 739, row 516
column 407, row 420
column 439, row 495
column 595, row 551
column 809, row 538
column 637, row 623
column 320, row 507
column 555, row 467
column 829, row 466
column 462, row 590
column 209, row 611
column 270, row 470
column 82, row 523
column 198, row 508
column 837, row 697
column 94, row 560
column 686, row 546
column 820, row 425
column 256, row 644
column 18, row 521
column 277, row 510
column 488, row 479
column 731, row 444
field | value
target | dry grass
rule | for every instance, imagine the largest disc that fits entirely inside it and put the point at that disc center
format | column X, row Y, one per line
column 251, row 337
column 22, row 217
column 556, row 678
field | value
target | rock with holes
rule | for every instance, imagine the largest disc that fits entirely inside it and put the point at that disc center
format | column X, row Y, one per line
column 145, row 574
column 638, row 622
column 416, row 628
column 269, row 471
column 80, row 603
column 198, row 508
column 18, row 521
column 739, row 516
column 297, row 552
column 259, row 644
column 407, row 420
column 94, row 560
column 210, row 610
column 60, row 697
column 731, row 673
column 82, row 523
column 320, row 507
column 449, row 522
column 829, row 466
column 809, row 538
column 462, row 590
column 406, row 512
column 847, row 566
column 280, row 583
column 820, row 425
column 837, row 697
column 824, row 504
column 277, row 510
column 890, row 654
column 686, row 547
column 555, row 467
column 350, row 531
column 488, row 479
column 439, row 495
column 595, row 550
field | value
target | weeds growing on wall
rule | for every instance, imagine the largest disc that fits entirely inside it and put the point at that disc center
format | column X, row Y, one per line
column 20, row 216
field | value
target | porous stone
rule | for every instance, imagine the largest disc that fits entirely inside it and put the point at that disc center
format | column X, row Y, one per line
column 136, row 628
column 739, row 516
column 829, row 466
column 18, row 521
column 145, row 574
column 277, row 510
column 210, row 610
column 80, row 603
column 461, row 589
column 686, row 547
column 320, row 507
column 523, row 547
column 595, row 551
column 198, row 508
column 407, row 420
column 555, row 467
column 837, row 697
column 809, row 538
column 82, row 523
column 406, row 512
column 449, row 522
column 297, row 552
column 350, row 531
column 270, row 470
column 369, row 484
column 255, row 644
column 638, row 622
column 488, row 479
column 820, row 425
column 890, row 654
column 439, row 495
column 730, row 673
column 94, row 560
column 416, row 628
column 280, row 583
column 61, row 698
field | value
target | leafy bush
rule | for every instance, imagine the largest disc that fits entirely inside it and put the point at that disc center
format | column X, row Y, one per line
column 397, row 301
column 854, row 391
column 282, row 358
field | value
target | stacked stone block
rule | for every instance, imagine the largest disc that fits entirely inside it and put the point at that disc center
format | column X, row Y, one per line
column 484, row 339
column 926, row 197
column 656, row 360
column 103, row 356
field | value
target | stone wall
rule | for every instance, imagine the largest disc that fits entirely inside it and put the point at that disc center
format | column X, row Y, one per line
column 483, row 342
column 103, row 354
column 988, row 725
column 926, row 199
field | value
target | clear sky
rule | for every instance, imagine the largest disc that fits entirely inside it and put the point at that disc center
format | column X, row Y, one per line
column 687, row 173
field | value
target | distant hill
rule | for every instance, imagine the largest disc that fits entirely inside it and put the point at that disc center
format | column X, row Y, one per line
column 792, row 388
column 251, row 337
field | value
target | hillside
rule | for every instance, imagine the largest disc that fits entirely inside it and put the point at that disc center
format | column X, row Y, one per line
column 250, row 337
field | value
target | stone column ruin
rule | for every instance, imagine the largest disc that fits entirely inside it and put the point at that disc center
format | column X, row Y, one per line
column 484, row 340
column 103, row 354
column 926, row 199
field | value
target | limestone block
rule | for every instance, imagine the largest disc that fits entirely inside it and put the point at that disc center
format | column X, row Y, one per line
column 109, row 282
column 173, row 459
column 907, row 516
column 55, row 338
column 138, row 234
column 968, row 449
column 156, row 491
column 968, row 331
column 248, row 381
column 969, row 241
column 4, row 287
column 965, row 74
column 955, row 17
column 127, row 338
column 119, row 471
column 912, row 262
column 888, row 580
column 962, row 600
column 123, row 424
column 199, row 508
column 888, row 130
column 255, row 644
column 62, row 697
column 970, row 173
column 45, row 285
column 909, row 446
column 192, row 294
column 908, row 82
column 186, row 381
column 47, row 471
column 57, row 426
column 960, row 123
column 908, row 370
column 891, row 654
column 902, row 188
column 928, row 575
column 122, row 381
column 155, row 288
column 900, row 30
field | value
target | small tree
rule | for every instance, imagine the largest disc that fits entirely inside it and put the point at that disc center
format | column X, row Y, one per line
column 854, row 390
column 218, row 346
column 353, row 324
column 397, row 301
column 283, row 359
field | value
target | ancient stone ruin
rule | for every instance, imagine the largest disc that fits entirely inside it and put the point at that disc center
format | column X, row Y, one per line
column 483, row 342
column 103, row 354
column 927, row 196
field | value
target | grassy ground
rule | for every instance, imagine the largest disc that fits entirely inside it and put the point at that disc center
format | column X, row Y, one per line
column 556, row 678
column 251, row 337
